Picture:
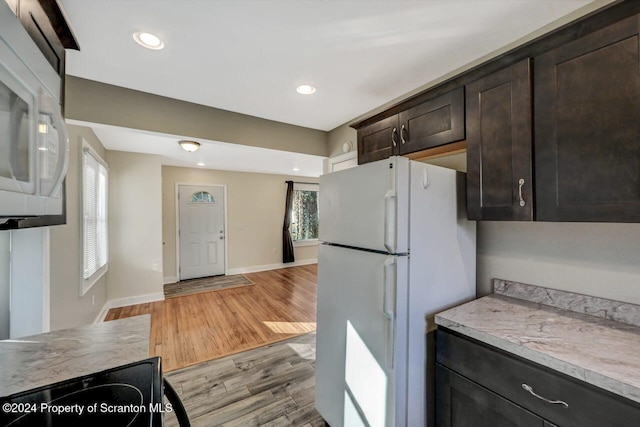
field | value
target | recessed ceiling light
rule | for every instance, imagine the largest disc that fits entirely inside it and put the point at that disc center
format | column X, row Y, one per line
column 148, row 40
column 306, row 89
column 189, row 146
column 200, row 164
column 296, row 169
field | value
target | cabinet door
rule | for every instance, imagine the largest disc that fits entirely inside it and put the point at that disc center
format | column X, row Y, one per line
column 463, row 403
column 587, row 132
column 378, row 141
column 435, row 122
column 499, row 141
column 35, row 20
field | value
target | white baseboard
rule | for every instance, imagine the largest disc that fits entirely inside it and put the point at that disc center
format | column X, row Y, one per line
column 123, row 302
column 257, row 268
column 103, row 313
column 170, row 279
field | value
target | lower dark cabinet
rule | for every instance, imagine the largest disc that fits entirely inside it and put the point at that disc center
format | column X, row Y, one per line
column 463, row 403
column 480, row 385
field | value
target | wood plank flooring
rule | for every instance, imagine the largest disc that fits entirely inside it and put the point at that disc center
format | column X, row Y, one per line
column 194, row 328
column 268, row 386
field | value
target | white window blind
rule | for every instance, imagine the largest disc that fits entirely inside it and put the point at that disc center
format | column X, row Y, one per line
column 95, row 179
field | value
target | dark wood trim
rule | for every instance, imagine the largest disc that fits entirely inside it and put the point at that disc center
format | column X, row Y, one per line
column 587, row 24
column 443, row 150
column 60, row 24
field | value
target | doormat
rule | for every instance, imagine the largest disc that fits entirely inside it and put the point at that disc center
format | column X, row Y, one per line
column 205, row 284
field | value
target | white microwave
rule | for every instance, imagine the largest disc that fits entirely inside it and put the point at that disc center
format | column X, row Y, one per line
column 34, row 147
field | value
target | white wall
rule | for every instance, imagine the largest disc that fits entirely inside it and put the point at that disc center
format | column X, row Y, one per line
column 255, row 206
column 599, row 259
column 135, row 225
column 452, row 161
column 338, row 137
column 4, row 284
column 30, row 282
column 68, row 308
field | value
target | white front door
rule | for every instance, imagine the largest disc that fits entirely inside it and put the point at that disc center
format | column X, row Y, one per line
column 201, row 231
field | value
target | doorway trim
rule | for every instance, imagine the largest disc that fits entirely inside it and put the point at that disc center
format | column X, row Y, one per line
column 333, row 161
column 177, row 224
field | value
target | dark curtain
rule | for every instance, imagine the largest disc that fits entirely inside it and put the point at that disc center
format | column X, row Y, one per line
column 287, row 242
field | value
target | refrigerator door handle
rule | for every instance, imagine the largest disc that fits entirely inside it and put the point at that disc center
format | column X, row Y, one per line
column 390, row 221
column 388, row 306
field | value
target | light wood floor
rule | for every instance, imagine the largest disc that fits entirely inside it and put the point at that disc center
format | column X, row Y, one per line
column 268, row 386
column 194, row 328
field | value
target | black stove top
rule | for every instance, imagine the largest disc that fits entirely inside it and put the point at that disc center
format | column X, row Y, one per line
column 127, row 396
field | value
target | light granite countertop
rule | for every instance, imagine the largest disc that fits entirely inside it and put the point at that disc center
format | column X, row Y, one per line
column 43, row 359
column 594, row 349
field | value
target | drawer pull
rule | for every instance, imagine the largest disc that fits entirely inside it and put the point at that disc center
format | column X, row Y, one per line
column 554, row 402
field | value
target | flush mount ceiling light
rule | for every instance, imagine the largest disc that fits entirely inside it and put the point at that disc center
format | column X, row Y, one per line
column 306, row 89
column 296, row 169
column 200, row 164
column 148, row 40
column 189, row 146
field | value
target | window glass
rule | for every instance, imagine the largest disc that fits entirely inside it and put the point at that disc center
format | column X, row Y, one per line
column 95, row 179
column 202, row 197
column 304, row 218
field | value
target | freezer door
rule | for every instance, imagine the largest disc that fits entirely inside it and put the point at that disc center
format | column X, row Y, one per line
column 367, row 206
column 361, row 338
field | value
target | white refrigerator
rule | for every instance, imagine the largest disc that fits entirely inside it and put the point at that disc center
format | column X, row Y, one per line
column 396, row 249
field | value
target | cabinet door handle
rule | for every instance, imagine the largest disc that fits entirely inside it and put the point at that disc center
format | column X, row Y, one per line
column 528, row 388
column 393, row 137
column 390, row 221
column 389, row 307
column 402, row 131
column 520, row 185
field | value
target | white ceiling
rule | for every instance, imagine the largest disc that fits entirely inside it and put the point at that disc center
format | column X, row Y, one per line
column 248, row 56
column 214, row 154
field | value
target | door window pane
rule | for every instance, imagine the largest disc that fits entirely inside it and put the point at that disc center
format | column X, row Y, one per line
column 202, row 197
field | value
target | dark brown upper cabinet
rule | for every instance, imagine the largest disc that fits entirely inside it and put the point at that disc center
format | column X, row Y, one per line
column 499, row 141
column 587, row 127
column 378, row 141
column 435, row 122
column 47, row 26
column 432, row 123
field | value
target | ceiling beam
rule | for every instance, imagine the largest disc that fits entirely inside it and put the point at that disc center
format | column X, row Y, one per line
column 95, row 102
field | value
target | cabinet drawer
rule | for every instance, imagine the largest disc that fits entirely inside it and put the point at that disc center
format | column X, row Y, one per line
column 505, row 375
column 464, row 403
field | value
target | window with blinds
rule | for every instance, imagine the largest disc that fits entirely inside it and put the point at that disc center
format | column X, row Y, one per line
column 95, row 178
